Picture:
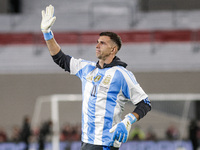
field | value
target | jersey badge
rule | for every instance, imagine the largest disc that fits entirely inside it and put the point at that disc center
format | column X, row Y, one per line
column 97, row 78
column 107, row 79
column 90, row 78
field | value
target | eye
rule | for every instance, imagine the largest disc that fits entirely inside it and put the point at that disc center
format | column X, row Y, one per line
column 101, row 42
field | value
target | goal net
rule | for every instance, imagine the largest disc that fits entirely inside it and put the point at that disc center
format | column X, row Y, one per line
column 176, row 109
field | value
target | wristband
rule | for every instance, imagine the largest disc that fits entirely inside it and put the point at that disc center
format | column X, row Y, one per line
column 48, row 36
column 131, row 118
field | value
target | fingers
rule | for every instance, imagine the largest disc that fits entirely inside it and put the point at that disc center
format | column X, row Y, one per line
column 115, row 135
column 125, row 138
column 113, row 128
column 121, row 136
column 43, row 13
column 49, row 11
column 120, row 133
column 52, row 20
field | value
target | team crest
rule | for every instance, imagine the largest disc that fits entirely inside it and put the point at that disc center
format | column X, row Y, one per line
column 106, row 81
column 97, row 78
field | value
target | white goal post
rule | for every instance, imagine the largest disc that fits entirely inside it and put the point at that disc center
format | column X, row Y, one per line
column 56, row 98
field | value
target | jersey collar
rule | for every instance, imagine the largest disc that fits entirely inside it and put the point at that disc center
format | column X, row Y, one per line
column 115, row 62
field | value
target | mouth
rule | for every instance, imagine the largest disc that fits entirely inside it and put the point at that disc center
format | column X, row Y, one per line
column 97, row 51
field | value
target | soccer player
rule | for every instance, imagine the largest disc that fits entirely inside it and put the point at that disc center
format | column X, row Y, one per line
column 106, row 86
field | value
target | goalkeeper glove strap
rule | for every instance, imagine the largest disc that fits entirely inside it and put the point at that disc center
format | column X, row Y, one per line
column 48, row 36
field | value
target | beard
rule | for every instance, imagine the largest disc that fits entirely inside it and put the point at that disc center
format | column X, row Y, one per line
column 102, row 56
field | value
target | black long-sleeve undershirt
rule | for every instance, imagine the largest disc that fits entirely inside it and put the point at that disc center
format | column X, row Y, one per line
column 62, row 60
column 142, row 108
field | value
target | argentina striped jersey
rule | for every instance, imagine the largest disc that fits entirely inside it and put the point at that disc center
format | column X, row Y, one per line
column 105, row 92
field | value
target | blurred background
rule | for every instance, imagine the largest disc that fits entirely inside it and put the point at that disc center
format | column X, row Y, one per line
column 161, row 45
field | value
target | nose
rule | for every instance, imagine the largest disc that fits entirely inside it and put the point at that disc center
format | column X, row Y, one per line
column 97, row 46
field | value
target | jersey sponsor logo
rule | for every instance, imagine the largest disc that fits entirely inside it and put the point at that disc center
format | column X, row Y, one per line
column 97, row 78
column 107, row 79
column 103, row 89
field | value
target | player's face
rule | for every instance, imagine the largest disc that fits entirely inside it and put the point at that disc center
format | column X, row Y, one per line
column 104, row 47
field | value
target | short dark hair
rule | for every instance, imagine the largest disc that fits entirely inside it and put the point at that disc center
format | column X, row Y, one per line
column 114, row 37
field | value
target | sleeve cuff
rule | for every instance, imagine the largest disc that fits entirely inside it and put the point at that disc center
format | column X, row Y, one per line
column 48, row 36
column 131, row 118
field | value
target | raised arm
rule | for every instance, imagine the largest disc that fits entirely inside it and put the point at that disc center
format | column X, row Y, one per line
column 58, row 56
column 48, row 20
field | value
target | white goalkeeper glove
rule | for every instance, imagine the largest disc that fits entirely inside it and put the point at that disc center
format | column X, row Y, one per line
column 122, row 129
column 48, row 20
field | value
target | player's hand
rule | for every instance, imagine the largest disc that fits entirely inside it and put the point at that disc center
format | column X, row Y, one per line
column 48, row 19
column 121, row 130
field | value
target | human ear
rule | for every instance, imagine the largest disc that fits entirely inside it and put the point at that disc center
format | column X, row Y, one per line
column 114, row 49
